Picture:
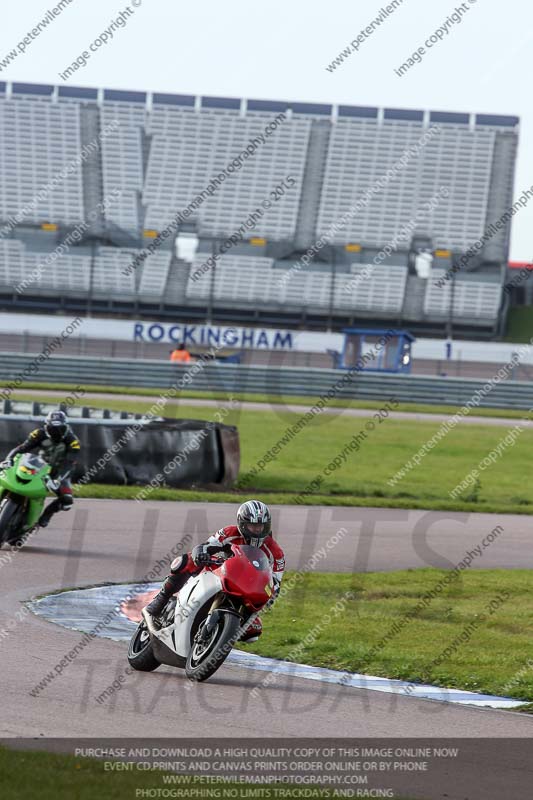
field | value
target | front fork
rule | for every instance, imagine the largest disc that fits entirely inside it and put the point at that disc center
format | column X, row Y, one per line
column 19, row 499
column 213, row 615
column 34, row 509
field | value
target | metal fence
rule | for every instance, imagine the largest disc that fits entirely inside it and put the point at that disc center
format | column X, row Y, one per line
column 77, row 346
column 17, row 369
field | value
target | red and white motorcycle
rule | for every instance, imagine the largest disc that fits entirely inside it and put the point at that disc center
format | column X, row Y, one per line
column 200, row 624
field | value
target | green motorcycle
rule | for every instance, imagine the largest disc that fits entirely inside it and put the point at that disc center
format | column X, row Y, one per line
column 23, row 491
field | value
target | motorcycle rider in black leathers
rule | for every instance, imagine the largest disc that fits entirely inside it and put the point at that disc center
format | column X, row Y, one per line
column 58, row 446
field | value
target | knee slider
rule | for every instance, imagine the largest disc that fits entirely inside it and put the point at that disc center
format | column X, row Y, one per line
column 179, row 564
column 66, row 502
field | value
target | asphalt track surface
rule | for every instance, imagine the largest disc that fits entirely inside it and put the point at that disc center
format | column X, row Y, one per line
column 110, row 541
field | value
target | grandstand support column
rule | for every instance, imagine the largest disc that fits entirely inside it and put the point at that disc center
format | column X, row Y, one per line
column 502, row 316
column 413, row 303
column 91, row 278
column 449, row 321
column 175, row 292
column 146, row 144
column 312, row 181
column 214, row 248
column 93, row 191
column 332, row 286
column 500, row 195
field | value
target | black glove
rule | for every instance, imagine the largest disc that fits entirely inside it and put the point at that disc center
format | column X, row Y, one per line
column 201, row 555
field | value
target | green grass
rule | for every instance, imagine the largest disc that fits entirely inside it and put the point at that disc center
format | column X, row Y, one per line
column 46, row 776
column 519, row 324
column 491, row 661
column 362, row 478
column 107, row 492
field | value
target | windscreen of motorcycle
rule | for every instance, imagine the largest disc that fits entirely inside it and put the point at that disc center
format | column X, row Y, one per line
column 32, row 462
column 255, row 556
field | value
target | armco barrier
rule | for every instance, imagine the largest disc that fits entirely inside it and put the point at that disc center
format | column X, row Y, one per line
column 228, row 378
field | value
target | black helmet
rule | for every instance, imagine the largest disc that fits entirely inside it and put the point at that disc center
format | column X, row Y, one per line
column 254, row 522
column 56, row 425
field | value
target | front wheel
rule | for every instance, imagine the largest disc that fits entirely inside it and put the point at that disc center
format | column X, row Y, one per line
column 210, row 650
column 11, row 515
column 140, row 652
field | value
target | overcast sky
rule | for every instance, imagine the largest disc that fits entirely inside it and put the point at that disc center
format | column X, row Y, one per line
column 280, row 49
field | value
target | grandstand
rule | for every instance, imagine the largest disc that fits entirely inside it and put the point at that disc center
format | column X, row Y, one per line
column 394, row 197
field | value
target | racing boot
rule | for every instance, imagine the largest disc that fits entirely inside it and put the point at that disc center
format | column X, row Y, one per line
column 48, row 513
column 252, row 632
column 172, row 584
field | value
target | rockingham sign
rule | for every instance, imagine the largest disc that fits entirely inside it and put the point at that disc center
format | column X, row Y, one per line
column 191, row 335
column 231, row 337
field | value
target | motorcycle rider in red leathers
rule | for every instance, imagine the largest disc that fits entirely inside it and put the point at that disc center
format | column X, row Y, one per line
column 254, row 525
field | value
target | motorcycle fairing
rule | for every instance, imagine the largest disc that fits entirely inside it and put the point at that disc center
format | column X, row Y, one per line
column 172, row 643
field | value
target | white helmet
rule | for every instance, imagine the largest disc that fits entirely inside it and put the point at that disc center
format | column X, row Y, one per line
column 254, row 522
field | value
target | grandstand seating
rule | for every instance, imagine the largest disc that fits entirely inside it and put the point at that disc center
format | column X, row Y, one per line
column 471, row 299
column 70, row 272
column 188, row 143
column 38, row 140
column 154, row 274
column 109, row 268
column 460, row 160
column 188, row 149
column 249, row 279
column 372, row 289
column 163, row 153
column 236, row 278
column 363, row 150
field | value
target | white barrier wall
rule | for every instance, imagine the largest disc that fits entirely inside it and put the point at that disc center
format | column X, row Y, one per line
column 246, row 338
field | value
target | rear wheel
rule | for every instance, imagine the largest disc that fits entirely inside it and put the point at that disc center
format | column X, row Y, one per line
column 140, row 652
column 11, row 518
column 210, row 650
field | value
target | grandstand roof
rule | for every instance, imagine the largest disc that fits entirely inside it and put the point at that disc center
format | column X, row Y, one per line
column 324, row 109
